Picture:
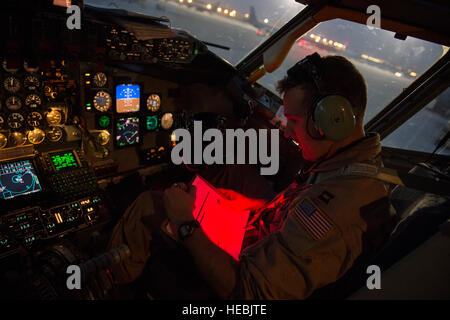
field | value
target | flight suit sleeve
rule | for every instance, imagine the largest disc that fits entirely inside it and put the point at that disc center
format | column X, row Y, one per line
column 291, row 263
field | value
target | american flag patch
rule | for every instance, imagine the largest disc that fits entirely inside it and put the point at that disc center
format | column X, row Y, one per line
column 314, row 221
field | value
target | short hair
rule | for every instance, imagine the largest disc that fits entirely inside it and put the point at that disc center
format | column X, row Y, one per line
column 338, row 76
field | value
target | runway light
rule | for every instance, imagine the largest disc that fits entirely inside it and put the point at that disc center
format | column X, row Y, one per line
column 219, row 9
column 398, row 74
column 266, row 20
column 209, row 6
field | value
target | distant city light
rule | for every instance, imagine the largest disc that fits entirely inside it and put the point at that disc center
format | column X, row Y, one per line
column 266, row 20
column 225, row 11
column 189, row 1
column 398, row 74
column 219, row 9
column 312, row 35
column 209, row 6
column 413, row 74
column 246, row 16
column 181, row 1
column 233, row 13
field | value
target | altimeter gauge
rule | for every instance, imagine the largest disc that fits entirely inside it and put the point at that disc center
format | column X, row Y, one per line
column 102, row 101
column 153, row 102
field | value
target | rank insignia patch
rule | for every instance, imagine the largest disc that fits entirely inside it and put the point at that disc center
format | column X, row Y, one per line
column 311, row 218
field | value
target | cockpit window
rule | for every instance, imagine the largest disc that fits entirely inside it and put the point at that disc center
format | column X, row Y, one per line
column 388, row 64
column 426, row 129
column 238, row 25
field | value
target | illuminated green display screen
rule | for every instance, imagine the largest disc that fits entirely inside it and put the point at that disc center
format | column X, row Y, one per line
column 64, row 160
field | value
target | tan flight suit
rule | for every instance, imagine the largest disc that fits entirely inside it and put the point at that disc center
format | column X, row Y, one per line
column 311, row 233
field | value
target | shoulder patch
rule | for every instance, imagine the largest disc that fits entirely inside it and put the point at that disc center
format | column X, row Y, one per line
column 315, row 222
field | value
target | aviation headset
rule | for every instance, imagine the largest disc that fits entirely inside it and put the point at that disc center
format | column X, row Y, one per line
column 332, row 115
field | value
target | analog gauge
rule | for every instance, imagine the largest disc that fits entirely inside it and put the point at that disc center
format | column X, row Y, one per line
column 31, row 82
column 15, row 120
column 153, row 102
column 3, row 141
column 54, row 117
column 12, row 84
column 34, row 119
column 54, row 134
column 13, row 103
column 33, row 101
column 103, row 137
column 36, row 136
column 100, row 79
column 2, row 122
column 17, row 139
column 102, row 101
column 167, row 121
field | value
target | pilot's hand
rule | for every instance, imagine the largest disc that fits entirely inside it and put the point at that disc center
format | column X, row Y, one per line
column 179, row 203
column 240, row 202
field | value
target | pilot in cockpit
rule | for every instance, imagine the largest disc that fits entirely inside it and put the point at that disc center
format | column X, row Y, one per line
column 308, row 236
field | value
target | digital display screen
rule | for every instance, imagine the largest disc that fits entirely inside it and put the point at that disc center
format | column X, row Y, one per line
column 127, row 98
column 17, row 179
column 64, row 160
column 127, row 131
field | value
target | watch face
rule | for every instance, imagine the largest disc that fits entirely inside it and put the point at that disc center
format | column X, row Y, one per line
column 186, row 229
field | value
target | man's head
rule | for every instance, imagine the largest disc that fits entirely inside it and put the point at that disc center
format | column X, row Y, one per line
column 338, row 76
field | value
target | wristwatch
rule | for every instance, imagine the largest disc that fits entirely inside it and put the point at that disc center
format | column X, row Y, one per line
column 186, row 229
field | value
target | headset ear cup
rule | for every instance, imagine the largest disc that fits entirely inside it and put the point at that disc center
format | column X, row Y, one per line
column 334, row 117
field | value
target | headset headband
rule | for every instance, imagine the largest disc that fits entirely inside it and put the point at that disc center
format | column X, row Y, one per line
column 308, row 67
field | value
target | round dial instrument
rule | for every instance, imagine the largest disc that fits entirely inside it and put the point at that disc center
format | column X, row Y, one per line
column 100, row 79
column 54, row 117
column 103, row 137
column 3, row 141
column 36, row 136
column 167, row 121
column 31, row 82
column 15, row 120
column 17, row 139
column 13, row 103
column 12, row 84
column 153, row 102
column 34, row 119
column 102, row 101
column 33, row 101
column 54, row 134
